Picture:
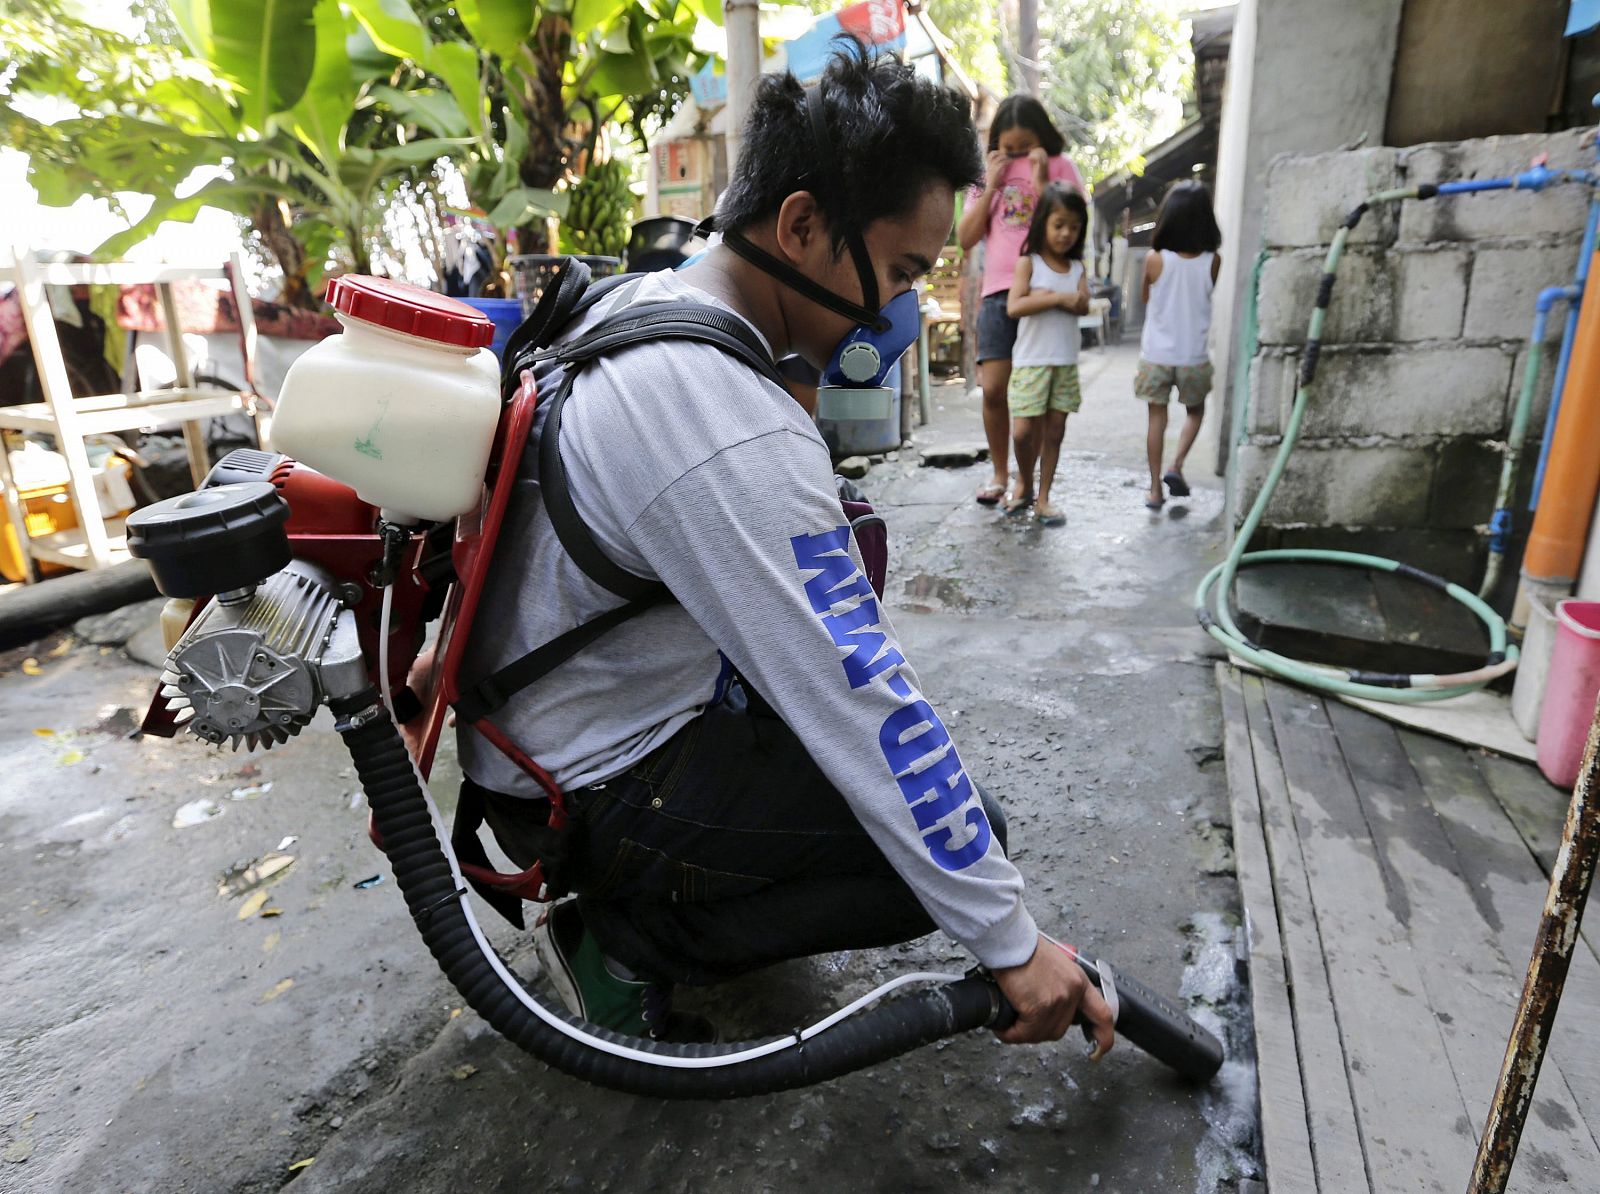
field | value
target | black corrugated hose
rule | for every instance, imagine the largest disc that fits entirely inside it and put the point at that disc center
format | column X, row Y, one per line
column 429, row 885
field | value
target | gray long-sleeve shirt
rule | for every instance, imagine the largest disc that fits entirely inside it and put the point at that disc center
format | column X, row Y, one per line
column 689, row 467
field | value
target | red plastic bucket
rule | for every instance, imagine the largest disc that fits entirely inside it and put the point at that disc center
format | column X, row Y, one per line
column 1570, row 691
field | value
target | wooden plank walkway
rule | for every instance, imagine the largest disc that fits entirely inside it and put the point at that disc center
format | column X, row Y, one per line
column 1392, row 884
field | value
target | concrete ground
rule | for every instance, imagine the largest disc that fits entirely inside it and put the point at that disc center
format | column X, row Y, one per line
column 167, row 1029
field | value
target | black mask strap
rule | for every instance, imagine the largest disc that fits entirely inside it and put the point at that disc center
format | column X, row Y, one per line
column 865, row 313
column 837, row 200
column 795, row 280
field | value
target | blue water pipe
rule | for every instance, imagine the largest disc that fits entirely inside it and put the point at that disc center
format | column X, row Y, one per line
column 1580, row 279
column 1535, row 178
column 1501, row 523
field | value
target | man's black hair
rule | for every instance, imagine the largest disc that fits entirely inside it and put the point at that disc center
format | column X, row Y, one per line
column 1186, row 223
column 1057, row 196
column 1025, row 112
column 892, row 131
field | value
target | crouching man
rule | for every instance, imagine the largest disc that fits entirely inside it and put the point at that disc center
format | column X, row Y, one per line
column 754, row 771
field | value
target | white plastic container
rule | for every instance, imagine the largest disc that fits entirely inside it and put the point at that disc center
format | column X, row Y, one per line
column 1533, row 670
column 402, row 406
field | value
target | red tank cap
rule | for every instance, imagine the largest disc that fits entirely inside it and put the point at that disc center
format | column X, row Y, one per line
column 402, row 307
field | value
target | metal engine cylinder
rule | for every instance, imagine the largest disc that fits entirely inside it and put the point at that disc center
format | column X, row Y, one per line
column 250, row 668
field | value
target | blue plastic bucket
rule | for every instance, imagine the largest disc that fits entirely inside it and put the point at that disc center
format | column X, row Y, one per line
column 506, row 314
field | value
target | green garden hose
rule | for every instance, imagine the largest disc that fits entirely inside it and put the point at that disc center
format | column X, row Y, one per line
column 1218, row 583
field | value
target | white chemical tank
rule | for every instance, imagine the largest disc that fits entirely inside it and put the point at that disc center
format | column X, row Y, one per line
column 401, row 406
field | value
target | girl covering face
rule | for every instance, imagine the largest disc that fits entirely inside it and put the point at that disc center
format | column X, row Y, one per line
column 1025, row 156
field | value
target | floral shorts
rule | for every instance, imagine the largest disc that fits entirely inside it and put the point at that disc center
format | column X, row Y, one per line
column 1034, row 389
column 1153, row 383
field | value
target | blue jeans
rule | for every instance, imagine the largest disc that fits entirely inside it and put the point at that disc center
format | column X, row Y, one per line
column 726, row 850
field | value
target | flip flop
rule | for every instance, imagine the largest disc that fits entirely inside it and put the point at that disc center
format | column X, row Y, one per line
column 990, row 495
column 1175, row 483
column 1155, row 505
column 1050, row 516
column 1016, row 507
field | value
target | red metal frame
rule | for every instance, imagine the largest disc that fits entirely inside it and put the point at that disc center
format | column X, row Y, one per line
column 436, row 678
column 331, row 527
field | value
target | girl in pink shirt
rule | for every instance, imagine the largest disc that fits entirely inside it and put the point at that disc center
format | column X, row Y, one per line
column 1025, row 156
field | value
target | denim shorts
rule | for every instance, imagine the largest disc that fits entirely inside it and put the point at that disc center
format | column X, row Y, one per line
column 997, row 331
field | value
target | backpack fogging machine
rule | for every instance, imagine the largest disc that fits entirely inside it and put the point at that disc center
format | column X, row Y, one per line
column 306, row 593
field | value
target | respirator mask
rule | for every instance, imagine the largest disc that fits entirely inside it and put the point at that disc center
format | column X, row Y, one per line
column 852, row 381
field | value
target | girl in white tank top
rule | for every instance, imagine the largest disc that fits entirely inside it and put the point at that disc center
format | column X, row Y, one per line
column 1179, row 276
column 1049, row 290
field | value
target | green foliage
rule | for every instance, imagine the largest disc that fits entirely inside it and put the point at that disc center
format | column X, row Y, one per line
column 600, row 211
column 1111, row 73
column 258, row 47
column 970, row 25
column 532, row 84
column 265, row 91
column 314, row 110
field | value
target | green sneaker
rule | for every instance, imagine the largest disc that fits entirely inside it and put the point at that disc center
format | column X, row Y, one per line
column 592, row 989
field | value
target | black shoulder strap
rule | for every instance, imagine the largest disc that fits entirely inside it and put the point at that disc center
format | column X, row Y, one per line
column 549, row 315
column 674, row 320
column 490, row 695
column 686, row 321
column 677, row 320
column 569, row 294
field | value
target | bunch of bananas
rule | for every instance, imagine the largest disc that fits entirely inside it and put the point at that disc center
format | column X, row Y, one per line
column 600, row 211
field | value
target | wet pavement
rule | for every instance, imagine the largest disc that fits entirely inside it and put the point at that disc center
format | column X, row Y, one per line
column 186, row 1010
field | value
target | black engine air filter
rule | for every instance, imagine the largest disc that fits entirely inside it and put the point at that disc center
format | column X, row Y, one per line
column 213, row 540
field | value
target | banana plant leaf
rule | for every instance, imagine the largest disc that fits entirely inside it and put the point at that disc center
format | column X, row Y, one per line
column 330, row 95
column 258, row 44
column 239, row 196
column 429, row 109
column 525, row 203
column 393, row 27
column 499, row 26
column 457, row 65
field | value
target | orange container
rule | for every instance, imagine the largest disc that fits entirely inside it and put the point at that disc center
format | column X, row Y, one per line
column 46, row 509
column 1572, row 474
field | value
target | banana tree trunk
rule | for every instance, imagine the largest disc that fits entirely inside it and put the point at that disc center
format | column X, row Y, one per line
column 272, row 225
column 544, row 163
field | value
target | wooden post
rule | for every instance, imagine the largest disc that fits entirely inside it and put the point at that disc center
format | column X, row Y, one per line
column 1570, row 880
column 194, row 435
column 248, row 341
column 971, row 300
column 41, row 325
column 16, row 514
column 742, row 20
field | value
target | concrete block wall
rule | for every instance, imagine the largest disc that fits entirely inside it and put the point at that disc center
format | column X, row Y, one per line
column 1423, row 348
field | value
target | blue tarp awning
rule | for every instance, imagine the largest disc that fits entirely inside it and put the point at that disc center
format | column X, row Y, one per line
column 1583, row 16
column 877, row 23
